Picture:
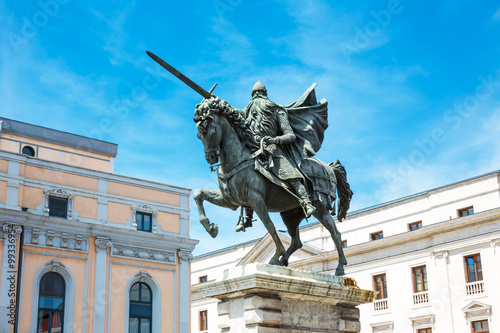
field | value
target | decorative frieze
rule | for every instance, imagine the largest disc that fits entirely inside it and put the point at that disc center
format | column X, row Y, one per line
column 127, row 251
column 53, row 239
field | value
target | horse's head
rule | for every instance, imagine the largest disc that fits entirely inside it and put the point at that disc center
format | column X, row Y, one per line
column 209, row 129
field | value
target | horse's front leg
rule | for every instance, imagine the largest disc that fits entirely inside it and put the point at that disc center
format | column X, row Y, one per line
column 215, row 197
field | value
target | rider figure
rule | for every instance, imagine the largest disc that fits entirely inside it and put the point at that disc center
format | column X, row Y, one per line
column 269, row 123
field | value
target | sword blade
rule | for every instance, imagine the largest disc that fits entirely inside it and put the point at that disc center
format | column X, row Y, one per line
column 180, row 76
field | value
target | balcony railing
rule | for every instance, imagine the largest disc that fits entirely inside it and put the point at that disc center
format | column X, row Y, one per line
column 381, row 304
column 421, row 298
column 474, row 288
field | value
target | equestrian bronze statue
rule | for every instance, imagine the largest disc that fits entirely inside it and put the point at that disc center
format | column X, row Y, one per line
column 263, row 156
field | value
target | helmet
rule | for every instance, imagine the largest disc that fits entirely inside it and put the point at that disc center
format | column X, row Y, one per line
column 259, row 86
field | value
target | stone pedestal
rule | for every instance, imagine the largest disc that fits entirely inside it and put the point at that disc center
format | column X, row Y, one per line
column 261, row 298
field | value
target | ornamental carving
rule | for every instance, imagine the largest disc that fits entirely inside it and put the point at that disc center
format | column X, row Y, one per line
column 185, row 255
column 34, row 235
column 126, row 251
column 102, row 244
column 11, row 228
column 61, row 194
column 50, row 238
column 145, row 209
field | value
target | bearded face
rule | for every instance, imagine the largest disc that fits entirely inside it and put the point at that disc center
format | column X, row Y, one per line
column 261, row 116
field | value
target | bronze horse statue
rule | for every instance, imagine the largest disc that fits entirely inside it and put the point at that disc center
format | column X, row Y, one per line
column 228, row 141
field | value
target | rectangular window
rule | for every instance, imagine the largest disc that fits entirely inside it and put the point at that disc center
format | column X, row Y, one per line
column 58, row 207
column 203, row 321
column 380, row 285
column 203, row 279
column 419, row 279
column 466, row 211
column 415, row 226
column 377, row 235
column 144, row 221
column 425, row 330
column 481, row 326
column 473, row 269
column 344, row 244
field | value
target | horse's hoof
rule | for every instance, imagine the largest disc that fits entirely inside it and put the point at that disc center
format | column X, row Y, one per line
column 274, row 262
column 339, row 271
column 214, row 230
column 283, row 261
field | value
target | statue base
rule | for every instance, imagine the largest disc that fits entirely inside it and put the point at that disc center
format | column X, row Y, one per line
column 259, row 298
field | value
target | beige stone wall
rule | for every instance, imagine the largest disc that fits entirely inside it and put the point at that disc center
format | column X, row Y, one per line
column 169, row 222
column 4, row 166
column 3, row 192
column 144, row 193
column 58, row 153
column 118, row 212
column 29, row 197
column 58, row 177
column 9, row 145
column 85, row 206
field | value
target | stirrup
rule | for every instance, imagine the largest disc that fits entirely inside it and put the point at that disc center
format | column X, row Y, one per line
column 243, row 223
column 308, row 208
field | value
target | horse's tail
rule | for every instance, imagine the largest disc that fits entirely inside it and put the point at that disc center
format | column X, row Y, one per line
column 343, row 189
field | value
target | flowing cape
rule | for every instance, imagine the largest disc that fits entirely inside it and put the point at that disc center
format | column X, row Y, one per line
column 309, row 120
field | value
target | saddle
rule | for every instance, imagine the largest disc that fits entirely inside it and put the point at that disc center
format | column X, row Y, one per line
column 319, row 176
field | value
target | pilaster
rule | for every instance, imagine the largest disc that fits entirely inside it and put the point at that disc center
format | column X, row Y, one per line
column 9, row 277
column 184, row 286
column 102, row 245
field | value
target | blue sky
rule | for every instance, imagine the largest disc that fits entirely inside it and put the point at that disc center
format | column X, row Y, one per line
column 413, row 86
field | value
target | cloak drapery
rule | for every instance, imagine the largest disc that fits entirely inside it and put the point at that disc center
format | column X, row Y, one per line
column 309, row 120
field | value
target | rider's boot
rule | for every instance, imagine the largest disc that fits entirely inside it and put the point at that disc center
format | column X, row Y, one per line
column 245, row 220
column 305, row 201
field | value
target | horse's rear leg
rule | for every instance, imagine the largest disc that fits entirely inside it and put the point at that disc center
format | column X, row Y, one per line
column 323, row 215
column 259, row 207
column 215, row 197
column 292, row 219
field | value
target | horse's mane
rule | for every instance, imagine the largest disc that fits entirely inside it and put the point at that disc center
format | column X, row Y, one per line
column 232, row 115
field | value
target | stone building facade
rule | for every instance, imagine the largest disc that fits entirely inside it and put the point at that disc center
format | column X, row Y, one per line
column 433, row 257
column 83, row 249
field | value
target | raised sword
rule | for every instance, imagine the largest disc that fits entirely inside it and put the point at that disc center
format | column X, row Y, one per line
column 182, row 77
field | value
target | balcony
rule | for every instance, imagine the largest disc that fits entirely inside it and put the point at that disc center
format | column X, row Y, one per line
column 381, row 304
column 474, row 288
column 421, row 298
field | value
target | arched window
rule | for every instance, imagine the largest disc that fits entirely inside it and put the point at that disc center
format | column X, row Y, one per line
column 141, row 306
column 51, row 303
column 27, row 150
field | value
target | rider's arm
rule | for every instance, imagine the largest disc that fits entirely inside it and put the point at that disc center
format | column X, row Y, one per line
column 288, row 136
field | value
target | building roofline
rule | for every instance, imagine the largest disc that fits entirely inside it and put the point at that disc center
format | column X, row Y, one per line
column 227, row 248
column 49, row 135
